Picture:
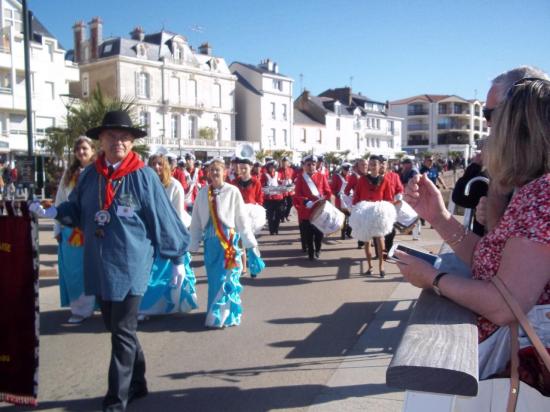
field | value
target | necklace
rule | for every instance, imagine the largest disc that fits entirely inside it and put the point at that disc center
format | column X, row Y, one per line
column 103, row 217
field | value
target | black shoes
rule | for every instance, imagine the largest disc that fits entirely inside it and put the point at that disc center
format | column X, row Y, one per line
column 137, row 393
column 317, row 254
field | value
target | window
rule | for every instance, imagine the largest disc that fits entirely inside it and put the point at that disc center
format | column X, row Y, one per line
column 85, row 85
column 273, row 116
column 145, row 121
column 358, row 139
column 284, row 112
column 141, row 51
column 304, row 135
column 337, row 143
column 285, row 137
column 43, row 124
column 13, row 18
column 108, row 48
column 337, row 124
column 272, row 138
column 175, row 126
column 278, row 84
column 50, row 90
column 391, row 127
column 175, row 89
column 378, row 124
column 320, row 138
column 377, row 142
column 192, row 92
column 5, row 82
column 177, row 53
column 193, row 126
column 142, row 85
column 369, row 122
column 50, row 48
column 217, row 98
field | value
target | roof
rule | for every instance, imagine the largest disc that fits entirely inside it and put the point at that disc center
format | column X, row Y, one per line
column 246, row 84
column 302, row 118
column 430, row 98
column 261, row 70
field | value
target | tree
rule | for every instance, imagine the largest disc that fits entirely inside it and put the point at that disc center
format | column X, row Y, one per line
column 262, row 154
column 279, row 154
column 207, row 133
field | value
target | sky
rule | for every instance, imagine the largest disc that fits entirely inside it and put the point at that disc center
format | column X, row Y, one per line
column 385, row 49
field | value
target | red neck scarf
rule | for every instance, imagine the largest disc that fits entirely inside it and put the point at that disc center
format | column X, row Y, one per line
column 130, row 164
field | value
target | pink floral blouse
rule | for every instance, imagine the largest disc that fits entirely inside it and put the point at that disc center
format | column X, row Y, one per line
column 527, row 216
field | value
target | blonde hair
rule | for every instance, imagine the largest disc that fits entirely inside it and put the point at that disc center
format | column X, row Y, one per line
column 166, row 172
column 518, row 149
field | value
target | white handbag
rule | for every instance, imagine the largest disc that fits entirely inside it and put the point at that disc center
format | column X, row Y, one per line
column 502, row 394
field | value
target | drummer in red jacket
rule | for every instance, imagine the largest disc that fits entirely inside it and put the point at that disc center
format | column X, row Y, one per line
column 396, row 188
column 359, row 169
column 272, row 185
column 373, row 187
column 338, row 185
column 311, row 189
column 287, row 175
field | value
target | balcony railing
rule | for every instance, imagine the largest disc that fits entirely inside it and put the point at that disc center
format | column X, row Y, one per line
column 417, row 142
column 417, row 112
column 412, row 127
column 453, row 126
column 192, row 142
column 453, row 139
column 6, row 90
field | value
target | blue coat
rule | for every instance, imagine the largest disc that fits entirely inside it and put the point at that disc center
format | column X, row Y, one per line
column 120, row 263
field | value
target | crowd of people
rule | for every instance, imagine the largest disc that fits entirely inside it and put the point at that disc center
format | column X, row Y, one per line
column 126, row 230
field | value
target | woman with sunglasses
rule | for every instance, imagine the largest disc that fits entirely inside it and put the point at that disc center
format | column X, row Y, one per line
column 517, row 250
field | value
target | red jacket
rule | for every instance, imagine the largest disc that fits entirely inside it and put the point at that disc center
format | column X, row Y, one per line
column 264, row 182
column 394, row 182
column 303, row 194
column 365, row 190
column 197, row 185
column 336, row 186
column 180, row 177
column 287, row 175
column 252, row 193
column 352, row 181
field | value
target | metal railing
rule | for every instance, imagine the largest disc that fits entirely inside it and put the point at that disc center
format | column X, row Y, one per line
column 418, row 127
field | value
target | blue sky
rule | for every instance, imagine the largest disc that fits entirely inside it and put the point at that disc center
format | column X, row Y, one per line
column 392, row 48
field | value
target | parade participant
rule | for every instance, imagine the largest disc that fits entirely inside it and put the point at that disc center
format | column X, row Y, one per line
column 360, row 169
column 193, row 177
column 373, row 187
column 311, row 188
column 177, row 173
column 219, row 220
column 338, row 186
column 256, row 170
column 125, row 215
column 232, row 172
column 322, row 168
column 251, row 191
column 396, row 190
column 70, row 253
column 271, row 181
column 287, row 175
column 162, row 296
column 517, row 251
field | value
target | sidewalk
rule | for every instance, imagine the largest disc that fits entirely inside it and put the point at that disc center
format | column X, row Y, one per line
column 366, row 363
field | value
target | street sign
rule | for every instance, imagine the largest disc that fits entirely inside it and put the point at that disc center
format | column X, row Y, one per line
column 25, row 164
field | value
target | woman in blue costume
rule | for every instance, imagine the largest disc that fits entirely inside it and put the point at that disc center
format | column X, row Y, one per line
column 70, row 252
column 163, row 296
column 220, row 220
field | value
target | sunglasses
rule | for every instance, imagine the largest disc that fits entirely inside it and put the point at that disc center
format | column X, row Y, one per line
column 487, row 112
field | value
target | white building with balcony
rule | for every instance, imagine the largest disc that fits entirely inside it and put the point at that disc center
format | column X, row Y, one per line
column 440, row 123
column 185, row 98
column 341, row 121
column 263, row 99
column 50, row 77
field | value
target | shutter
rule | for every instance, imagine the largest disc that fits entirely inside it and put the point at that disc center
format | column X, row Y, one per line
column 149, row 93
column 136, row 76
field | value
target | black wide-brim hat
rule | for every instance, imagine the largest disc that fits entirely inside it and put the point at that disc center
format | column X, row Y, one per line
column 119, row 120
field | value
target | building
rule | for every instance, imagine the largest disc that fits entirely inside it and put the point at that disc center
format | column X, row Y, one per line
column 185, row 98
column 50, row 77
column 263, row 99
column 339, row 120
column 440, row 123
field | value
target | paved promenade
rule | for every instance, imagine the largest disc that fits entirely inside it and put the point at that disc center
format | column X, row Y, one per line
column 315, row 336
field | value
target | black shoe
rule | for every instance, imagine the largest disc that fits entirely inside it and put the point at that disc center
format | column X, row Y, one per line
column 317, row 254
column 253, row 276
column 137, row 393
column 311, row 257
column 382, row 273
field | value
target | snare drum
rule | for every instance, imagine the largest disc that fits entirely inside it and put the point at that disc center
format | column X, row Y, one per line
column 327, row 218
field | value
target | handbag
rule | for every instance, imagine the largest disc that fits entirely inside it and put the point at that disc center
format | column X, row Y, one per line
column 510, row 394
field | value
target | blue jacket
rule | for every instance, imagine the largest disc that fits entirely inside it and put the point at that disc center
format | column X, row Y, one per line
column 119, row 263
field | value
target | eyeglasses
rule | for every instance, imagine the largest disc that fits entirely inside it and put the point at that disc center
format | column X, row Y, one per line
column 487, row 112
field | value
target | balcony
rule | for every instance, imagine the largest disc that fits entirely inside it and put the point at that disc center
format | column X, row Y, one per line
column 453, row 126
column 192, row 143
column 418, row 141
column 6, row 90
column 417, row 112
column 453, row 138
column 417, row 126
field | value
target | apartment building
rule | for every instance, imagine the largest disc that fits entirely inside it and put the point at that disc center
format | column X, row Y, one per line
column 50, row 77
column 264, row 106
column 185, row 98
column 341, row 121
column 440, row 123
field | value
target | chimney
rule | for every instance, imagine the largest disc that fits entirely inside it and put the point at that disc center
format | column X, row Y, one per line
column 78, row 30
column 267, row 64
column 347, row 91
column 206, row 49
column 96, row 36
column 138, row 33
column 275, row 68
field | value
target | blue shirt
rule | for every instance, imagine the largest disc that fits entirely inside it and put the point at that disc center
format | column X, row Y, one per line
column 119, row 263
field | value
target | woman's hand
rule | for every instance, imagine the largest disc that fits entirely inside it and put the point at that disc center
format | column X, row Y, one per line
column 425, row 199
column 415, row 270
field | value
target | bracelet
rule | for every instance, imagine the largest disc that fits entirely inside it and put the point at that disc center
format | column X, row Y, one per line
column 435, row 283
column 457, row 238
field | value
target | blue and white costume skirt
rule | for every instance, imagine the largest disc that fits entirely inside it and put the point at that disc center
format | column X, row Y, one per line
column 71, row 276
column 254, row 262
column 161, row 298
column 224, row 288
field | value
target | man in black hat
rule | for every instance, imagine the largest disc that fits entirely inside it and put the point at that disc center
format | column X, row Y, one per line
column 126, row 218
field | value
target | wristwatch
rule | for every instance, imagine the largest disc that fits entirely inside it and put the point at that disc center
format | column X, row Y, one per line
column 435, row 283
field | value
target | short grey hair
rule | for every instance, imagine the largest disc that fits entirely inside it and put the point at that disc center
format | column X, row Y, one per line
column 503, row 82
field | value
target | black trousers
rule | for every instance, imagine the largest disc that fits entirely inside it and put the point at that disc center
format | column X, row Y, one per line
column 273, row 213
column 287, row 205
column 388, row 240
column 127, row 367
column 313, row 237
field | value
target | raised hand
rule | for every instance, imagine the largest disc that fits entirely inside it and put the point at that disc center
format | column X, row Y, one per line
column 425, row 198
